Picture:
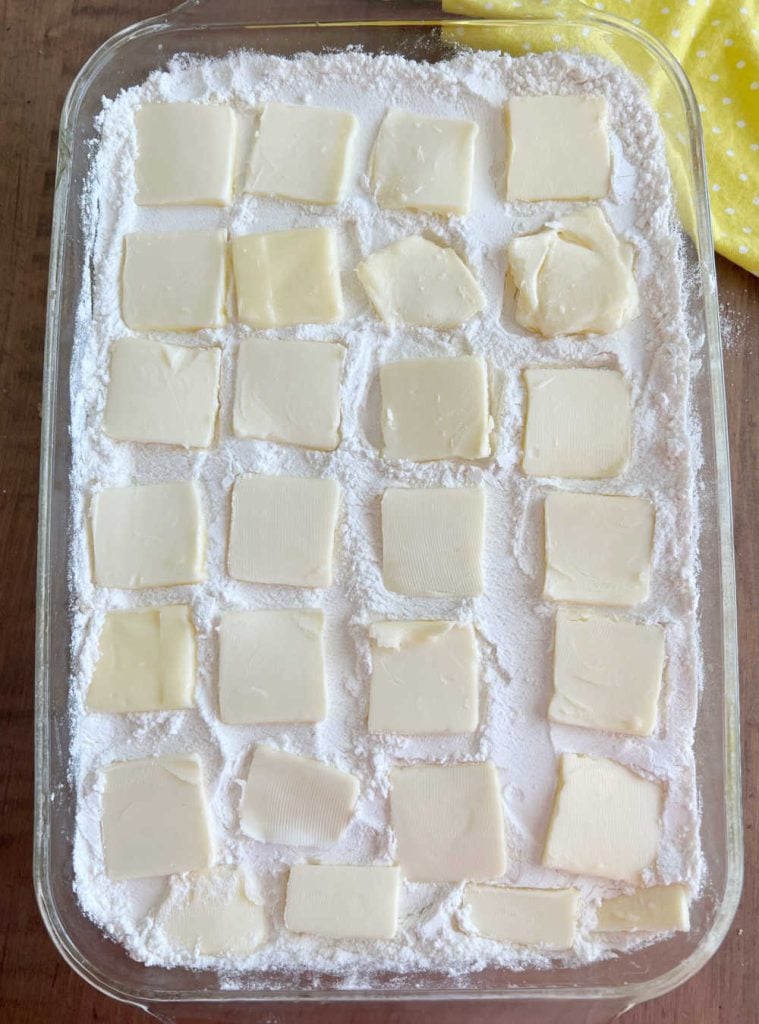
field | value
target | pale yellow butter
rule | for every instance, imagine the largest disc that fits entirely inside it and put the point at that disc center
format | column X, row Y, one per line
column 342, row 901
column 656, row 908
column 526, row 917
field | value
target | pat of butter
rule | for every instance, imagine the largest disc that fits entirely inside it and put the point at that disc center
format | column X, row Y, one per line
column 448, row 822
column 432, row 540
column 161, row 393
column 658, row 908
column 423, row 163
column 605, row 820
column 155, row 818
column 526, row 917
column 283, row 530
column 185, row 154
column 146, row 662
column 598, row 548
column 289, row 391
column 607, row 673
column 271, row 666
column 148, row 536
column 302, row 153
column 577, row 424
column 574, row 276
column 415, row 281
column 210, row 913
column 435, row 409
column 424, row 678
column 343, row 901
column 558, row 148
column 287, row 277
column 296, row 800
column 174, row 281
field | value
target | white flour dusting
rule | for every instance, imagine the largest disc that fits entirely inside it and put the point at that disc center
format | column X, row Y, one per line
column 514, row 624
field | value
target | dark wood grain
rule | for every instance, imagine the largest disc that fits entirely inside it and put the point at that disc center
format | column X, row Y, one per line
column 42, row 45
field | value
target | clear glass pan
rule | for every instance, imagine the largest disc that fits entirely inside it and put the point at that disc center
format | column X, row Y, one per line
column 592, row 993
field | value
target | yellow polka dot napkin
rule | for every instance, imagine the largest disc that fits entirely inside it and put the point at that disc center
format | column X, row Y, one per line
column 717, row 43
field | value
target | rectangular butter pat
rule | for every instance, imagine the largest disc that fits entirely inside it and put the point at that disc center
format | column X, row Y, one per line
column 161, row 393
column 342, row 901
column 526, row 917
column 155, row 818
column 271, row 666
column 658, row 908
column 424, row 678
column 146, row 662
column 150, row 535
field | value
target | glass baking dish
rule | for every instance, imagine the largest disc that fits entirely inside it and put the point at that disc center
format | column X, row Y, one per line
column 595, row 992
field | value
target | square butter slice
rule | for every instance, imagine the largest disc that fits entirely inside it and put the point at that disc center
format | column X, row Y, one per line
column 432, row 541
column 343, row 901
column 155, row 818
column 149, row 535
column 598, row 548
column 656, row 908
column 526, row 917
column 146, row 662
column 296, row 800
column 288, row 277
column 302, row 153
column 423, row 163
column 185, row 153
column 161, row 393
column 283, row 530
column 435, row 409
column 607, row 673
column 448, row 822
column 578, row 422
column 271, row 666
column 289, row 391
column 211, row 913
column 605, row 820
column 424, row 678
column 558, row 148
column 174, row 280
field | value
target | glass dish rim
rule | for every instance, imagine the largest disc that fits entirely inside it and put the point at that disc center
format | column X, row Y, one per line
column 629, row 993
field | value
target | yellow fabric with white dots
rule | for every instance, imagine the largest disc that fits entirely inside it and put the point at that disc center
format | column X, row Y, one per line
column 717, row 43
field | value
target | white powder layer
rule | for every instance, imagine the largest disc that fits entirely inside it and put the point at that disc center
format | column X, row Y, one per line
column 514, row 624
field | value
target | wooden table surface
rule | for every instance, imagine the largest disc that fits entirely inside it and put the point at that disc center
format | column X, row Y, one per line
column 42, row 45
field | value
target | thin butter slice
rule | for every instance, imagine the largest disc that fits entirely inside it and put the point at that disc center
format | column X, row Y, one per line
column 155, row 818
column 151, row 535
column 432, row 541
column 658, row 908
column 605, row 820
column 558, row 148
column 185, row 154
column 166, row 394
column 424, row 678
column 574, row 276
column 448, row 822
column 598, row 548
column 287, row 277
column 435, row 409
column 283, row 530
column 578, row 422
column 296, row 800
column 210, row 913
column 302, row 153
column 341, row 901
column 415, row 281
column 289, row 391
column 146, row 662
column 526, row 917
column 271, row 666
column 607, row 673
column 423, row 163
column 174, row 281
